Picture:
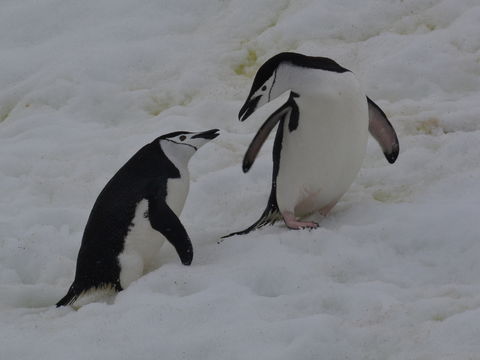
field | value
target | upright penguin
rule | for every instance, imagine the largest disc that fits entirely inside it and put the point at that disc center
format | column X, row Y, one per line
column 321, row 137
column 132, row 216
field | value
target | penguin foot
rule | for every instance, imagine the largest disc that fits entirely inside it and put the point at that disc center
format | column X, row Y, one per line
column 294, row 224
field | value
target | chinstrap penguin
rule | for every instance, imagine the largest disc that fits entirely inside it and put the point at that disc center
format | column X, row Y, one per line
column 135, row 212
column 321, row 136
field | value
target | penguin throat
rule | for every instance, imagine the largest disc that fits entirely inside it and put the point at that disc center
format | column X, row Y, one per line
column 178, row 153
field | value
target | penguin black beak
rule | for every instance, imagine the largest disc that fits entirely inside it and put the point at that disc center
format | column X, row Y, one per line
column 209, row 134
column 248, row 108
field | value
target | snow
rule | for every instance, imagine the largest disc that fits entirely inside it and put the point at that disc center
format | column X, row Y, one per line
column 393, row 272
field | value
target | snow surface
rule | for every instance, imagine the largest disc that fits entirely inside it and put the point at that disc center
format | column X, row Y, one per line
column 394, row 271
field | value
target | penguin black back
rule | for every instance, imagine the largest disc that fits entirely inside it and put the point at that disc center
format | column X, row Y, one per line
column 109, row 222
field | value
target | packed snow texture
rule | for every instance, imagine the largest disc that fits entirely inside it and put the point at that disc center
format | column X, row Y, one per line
column 392, row 273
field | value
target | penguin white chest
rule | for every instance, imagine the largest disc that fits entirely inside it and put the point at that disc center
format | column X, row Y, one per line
column 321, row 157
column 177, row 191
column 143, row 243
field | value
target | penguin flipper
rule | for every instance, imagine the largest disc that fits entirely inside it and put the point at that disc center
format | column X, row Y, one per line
column 290, row 107
column 382, row 130
column 165, row 221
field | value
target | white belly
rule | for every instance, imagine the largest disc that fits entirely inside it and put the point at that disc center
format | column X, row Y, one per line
column 143, row 243
column 320, row 159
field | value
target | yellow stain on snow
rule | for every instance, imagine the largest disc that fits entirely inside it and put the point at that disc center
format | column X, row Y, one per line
column 245, row 68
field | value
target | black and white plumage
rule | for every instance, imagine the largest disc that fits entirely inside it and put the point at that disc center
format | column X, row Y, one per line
column 321, row 136
column 135, row 212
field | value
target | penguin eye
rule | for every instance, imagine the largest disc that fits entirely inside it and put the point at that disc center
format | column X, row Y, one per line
column 182, row 138
column 264, row 87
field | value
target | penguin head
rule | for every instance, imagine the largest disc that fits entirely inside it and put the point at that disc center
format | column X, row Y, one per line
column 282, row 72
column 183, row 144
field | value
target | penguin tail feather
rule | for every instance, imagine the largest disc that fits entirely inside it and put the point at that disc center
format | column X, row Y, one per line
column 75, row 291
column 68, row 299
column 269, row 217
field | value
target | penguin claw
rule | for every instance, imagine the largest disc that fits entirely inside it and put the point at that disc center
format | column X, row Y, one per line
column 298, row 225
column 294, row 224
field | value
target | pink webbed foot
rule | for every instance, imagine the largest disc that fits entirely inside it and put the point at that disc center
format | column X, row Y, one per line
column 294, row 224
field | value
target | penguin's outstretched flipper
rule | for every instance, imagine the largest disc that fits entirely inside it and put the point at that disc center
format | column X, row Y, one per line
column 287, row 112
column 289, row 109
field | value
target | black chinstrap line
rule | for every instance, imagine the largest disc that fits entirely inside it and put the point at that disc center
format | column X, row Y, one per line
column 182, row 144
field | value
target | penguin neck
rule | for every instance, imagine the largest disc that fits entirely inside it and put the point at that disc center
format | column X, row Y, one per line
column 178, row 154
